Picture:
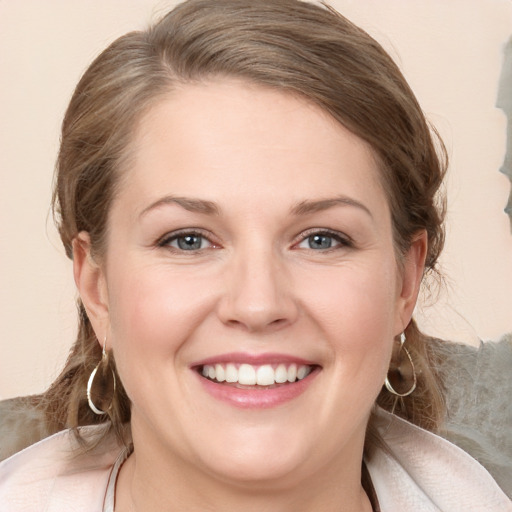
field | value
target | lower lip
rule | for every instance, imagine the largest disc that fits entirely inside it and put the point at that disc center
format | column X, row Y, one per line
column 258, row 398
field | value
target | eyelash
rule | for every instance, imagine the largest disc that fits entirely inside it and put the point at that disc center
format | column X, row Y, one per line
column 167, row 239
column 342, row 240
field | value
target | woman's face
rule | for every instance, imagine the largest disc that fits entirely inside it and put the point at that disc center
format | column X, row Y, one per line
column 250, row 241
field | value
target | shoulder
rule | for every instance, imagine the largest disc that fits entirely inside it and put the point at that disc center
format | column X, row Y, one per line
column 421, row 471
column 54, row 475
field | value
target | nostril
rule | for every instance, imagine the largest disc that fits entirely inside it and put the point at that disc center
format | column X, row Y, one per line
column 258, row 324
column 278, row 322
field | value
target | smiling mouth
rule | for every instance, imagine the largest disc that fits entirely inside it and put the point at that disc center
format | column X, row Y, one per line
column 264, row 376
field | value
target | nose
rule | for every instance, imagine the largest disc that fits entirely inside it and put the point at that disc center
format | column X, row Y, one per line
column 258, row 294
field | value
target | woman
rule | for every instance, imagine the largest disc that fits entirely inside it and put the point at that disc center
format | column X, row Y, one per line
column 249, row 193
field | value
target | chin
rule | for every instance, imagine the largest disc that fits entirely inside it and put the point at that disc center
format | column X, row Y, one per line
column 262, row 471
column 266, row 456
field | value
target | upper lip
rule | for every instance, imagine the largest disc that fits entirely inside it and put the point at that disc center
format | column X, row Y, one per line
column 253, row 359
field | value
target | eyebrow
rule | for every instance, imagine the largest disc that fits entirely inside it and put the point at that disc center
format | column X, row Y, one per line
column 308, row 207
column 305, row 207
column 188, row 203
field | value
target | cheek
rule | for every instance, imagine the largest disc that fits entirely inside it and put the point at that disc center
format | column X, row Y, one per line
column 153, row 311
column 356, row 310
column 354, row 296
column 153, row 314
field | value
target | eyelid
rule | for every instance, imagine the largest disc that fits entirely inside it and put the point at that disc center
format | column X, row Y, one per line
column 166, row 239
column 343, row 239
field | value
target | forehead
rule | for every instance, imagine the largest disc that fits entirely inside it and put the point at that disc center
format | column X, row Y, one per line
column 221, row 137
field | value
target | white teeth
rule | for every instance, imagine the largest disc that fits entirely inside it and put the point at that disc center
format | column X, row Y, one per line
column 302, row 371
column 246, row 375
column 292, row 373
column 281, row 374
column 265, row 375
column 220, row 374
column 231, row 373
column 249, row 375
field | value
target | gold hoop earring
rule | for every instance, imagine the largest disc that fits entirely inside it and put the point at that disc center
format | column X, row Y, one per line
column 399, row 372
column 101, row 385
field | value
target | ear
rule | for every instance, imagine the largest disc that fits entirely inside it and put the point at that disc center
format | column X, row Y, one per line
column 91, row 283
column 412, row 274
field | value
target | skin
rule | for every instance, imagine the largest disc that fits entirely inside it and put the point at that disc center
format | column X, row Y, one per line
column 255, row 286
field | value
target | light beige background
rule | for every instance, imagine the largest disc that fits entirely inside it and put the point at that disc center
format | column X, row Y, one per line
column 449, row 50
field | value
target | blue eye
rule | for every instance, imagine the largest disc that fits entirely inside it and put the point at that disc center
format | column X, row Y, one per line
column 322, row 241
column 186, row 242
column 189, row 242
column 319, row 241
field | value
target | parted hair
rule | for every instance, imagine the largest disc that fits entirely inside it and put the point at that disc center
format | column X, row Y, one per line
column 300, row 48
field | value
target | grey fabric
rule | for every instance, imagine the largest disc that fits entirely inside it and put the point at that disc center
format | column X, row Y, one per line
column 21, row 424
column 478, row 385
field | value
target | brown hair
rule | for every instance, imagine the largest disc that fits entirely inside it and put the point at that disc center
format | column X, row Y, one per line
column 299, row 47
